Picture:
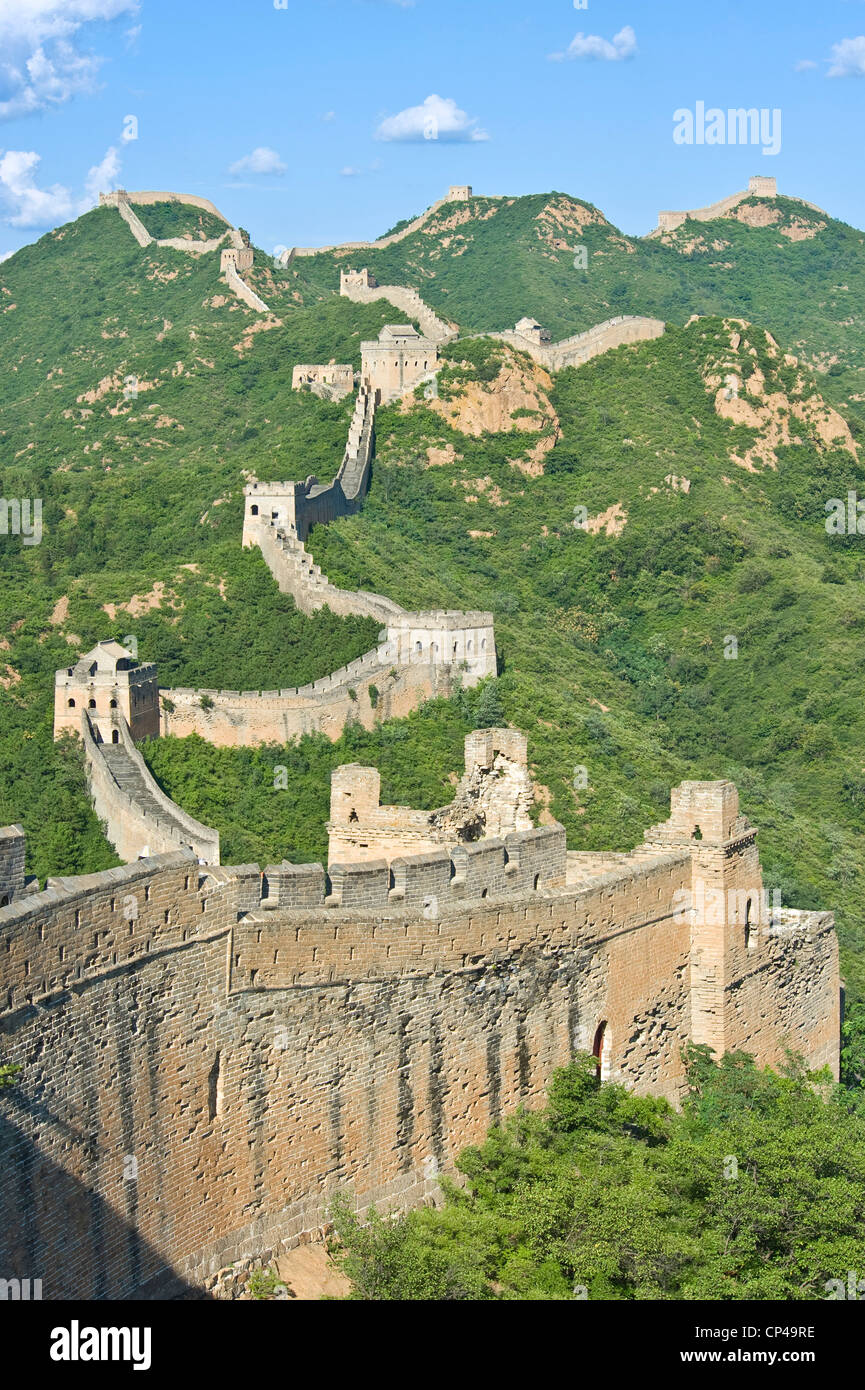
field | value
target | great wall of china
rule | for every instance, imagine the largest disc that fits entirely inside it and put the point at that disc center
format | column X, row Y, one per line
column 419, row 656
column 457, row 193
column 209, row 1054
column 236, row 256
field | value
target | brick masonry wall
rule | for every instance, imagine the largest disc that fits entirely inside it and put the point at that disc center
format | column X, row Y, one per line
column 200, row 1075
column 131, row 828
column 573, row 352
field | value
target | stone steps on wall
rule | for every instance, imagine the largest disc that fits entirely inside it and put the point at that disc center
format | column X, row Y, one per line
column 129, row 779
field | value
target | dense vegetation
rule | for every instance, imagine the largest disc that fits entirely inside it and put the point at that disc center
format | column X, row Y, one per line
column 142, row 494
column 612, row 647
column 136, row 398
column 756, row 1190
column 166, row 220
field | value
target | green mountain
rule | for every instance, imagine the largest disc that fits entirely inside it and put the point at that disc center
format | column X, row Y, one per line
column 486, row 263
column 705, row 519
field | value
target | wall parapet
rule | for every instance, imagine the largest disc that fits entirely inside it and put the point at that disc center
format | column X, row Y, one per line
column 436, row 329
column 12, row 853
column 457, row 193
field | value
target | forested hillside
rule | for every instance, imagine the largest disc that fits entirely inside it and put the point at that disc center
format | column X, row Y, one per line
column 779, row 263
column 137, row 396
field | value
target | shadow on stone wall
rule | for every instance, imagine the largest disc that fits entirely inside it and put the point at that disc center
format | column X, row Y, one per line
column 54, row 1229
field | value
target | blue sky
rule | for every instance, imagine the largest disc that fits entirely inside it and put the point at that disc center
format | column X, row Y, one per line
column 309, row 121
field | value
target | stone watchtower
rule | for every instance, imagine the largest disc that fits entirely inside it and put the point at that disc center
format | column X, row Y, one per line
column 726, row 906
column 397, row 361
column 356, row 280
column 493, row 799
column 106, row 683
column 236, row 258
column 459, row 192
column 761, row 186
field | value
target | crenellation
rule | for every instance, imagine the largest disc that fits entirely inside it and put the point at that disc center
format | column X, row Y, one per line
column 759, row 186
column 398, row 361
column 329, row 1006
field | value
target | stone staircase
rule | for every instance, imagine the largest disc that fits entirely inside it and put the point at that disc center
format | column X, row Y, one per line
column 131, row 781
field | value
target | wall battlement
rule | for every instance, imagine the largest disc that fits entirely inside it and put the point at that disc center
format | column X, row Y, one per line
column 138, row 818
column 12, row 849
column 397, row 361
column 422, row 656
column 235, row 257
column 493, row 801
column 331, row 380
column 363, row 288
column 457, row 193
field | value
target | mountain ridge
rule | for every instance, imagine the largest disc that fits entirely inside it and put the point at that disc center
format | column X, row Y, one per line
column 602, row 631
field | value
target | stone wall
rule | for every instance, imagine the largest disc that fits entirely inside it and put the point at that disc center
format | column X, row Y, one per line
column 237, row 256
column 493, row 800
column 456, row 194
column 147, row 197
column 582, row 347
column 290, row 510
column 759, row 186
column 136, row 226
column 239, row 719
column 423, row 656
column 397, row 361
column 330, row 380
column 203, row 1067
column 408, row 300
column 12, row 848
column 244, row 291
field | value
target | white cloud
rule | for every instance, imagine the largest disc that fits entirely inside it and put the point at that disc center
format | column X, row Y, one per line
column 438, row 118
column 348, row 172
column 24, row 204
column 806, row 65
column 848, row 58
column 622, row 46
column 261, row 161
column 40, row 65
column 5, row 255
column 329, row 116
column 102, row 177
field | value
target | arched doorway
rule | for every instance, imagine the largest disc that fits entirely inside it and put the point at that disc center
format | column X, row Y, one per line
column 601, row 1050
column 750, row 936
